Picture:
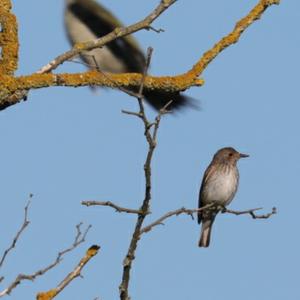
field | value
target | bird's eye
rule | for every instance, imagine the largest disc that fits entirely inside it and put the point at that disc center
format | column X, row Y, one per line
column 230, row 154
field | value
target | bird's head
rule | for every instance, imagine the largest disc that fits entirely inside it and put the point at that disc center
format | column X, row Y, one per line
column 228, row 155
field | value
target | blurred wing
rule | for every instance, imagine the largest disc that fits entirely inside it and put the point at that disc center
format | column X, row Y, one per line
column 101, row 22
column 94, row 21
column 159, row 99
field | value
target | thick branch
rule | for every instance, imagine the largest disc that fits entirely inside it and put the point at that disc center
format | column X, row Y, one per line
column 12, row 89
column 8, row 39
column 108, row 203
column 231, row 38
column 91, row 252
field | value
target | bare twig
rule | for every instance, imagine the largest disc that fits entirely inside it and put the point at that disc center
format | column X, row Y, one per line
column 190, row 212
column 132, row 113
column 155, row 30
column 17, row 236
column 79, row 238
column 172, row 213
column 148, row 59
column 251, row 212
column 115, row 206
column 144, row 210
column 91, row 252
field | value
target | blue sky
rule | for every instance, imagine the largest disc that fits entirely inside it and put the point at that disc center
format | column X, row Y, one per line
column 66, row 145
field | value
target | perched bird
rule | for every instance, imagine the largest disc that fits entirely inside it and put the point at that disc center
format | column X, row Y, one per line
column 219, row 185
column 87, row 20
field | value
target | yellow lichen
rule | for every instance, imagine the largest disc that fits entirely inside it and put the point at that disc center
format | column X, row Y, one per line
column 8, row 42
column 92, row 251
column 46, row 295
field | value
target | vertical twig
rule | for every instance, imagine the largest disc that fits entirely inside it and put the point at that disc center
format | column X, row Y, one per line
column 18, row 234
column 144, row 209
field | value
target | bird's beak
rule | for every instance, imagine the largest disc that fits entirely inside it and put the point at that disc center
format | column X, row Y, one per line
column 243, row 155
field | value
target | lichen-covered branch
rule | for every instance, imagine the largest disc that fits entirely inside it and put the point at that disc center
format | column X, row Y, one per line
column 91, row 252
column 231, row 38
column 8, row 39
column 12, row 89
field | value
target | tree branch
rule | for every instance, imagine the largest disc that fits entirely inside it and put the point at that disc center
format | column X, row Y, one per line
column 108, row 203
column 172, row 213
column 79, row 238
column 91, row 252
column 18, row 234
column 144, row 210
column 8, row 39
column 251, row 212
column 190, row 212
column 12, row 88
column 11, row 96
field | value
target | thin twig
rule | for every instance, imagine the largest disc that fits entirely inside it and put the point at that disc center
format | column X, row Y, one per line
column 148, row 59
column 191, row 211
column 251, row 212
column 176, row 212
column 155, row 30
column 132, row 113
column 91, row 252
column 144, row 210
column 17, row 236
column 115, row 206
column 79, row 238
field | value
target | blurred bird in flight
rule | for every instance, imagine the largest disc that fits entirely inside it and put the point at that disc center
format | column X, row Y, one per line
column 87, row 20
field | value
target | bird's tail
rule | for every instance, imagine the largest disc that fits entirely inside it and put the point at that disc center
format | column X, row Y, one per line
column 205, row 233
column 177, row 101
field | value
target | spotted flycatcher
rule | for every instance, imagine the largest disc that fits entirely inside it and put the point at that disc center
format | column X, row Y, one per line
column 219, row 185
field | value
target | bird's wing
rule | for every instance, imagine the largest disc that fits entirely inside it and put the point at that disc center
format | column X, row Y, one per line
column 204, row 180
column 100, row 21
